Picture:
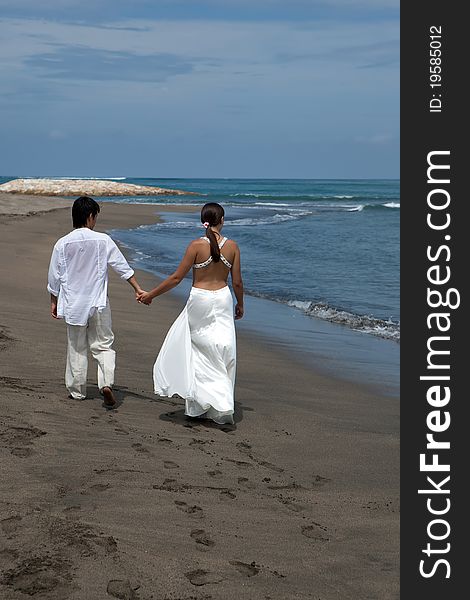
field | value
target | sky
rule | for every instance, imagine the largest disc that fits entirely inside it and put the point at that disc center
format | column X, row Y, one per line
column 200, row 88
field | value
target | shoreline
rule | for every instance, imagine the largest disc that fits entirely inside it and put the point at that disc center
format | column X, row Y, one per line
column 177, row 508
column 327, row 364
column 355, row 357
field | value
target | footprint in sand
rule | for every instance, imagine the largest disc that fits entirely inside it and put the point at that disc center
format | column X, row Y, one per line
column 109, row 544
column 249, row 570
column 318, row 480
column 10, row 524
column 227, row 494
column 281, row 432
column 243, row 447
column 246, row 449
column 17, row 436
column 16, row 384
column 240, row 463
column 169, row 464
column 196, row 442
column 5, row 339
column 171, row 485
column 245, row 482
column 214, row 473
column 21, row 452
column 139, row 448
column 202, row 445
column 383, row 505
column 285, row 486
column 193, row 511
column 277, row 574
column 201, row 577
column 7, row 557
column 315, row 532
column 121, row 431
column 72, row 509
column 32, row 583
column 39, row 575
column 120, row 588
column 164, row 442
column 291, row 505
column 201, row 537
column 63, row 490
column 99, row 487
column 268, row 465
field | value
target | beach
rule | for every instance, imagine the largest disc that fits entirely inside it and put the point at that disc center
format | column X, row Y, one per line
column 299, row 500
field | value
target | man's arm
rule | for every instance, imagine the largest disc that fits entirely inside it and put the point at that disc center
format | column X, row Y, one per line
column 53, row 281
column 133, row 282
column 117, row 262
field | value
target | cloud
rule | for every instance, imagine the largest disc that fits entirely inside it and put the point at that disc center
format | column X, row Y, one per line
column 119, row 4
column 136, row 4
column 21, row 94
column 377, row 53
column 80, row 63
column 45, row 4
column 202, row 85
column 236, row 42
column 205, row 65
column 95, row 11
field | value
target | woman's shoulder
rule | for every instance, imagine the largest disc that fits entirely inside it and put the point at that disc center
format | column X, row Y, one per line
column 197, row 242
column 229, row 243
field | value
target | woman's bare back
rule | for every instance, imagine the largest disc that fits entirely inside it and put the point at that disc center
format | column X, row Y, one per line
column 214, row 275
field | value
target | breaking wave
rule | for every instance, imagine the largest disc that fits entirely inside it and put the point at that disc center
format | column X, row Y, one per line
column 387, row 329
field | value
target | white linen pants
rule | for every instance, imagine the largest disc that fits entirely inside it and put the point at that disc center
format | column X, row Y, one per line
column 97, row 336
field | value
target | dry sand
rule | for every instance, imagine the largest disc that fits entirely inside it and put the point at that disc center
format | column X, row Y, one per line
column 298, row 500
column 12, row 205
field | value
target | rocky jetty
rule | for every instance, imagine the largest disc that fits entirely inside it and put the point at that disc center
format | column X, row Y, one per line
column 85, row 187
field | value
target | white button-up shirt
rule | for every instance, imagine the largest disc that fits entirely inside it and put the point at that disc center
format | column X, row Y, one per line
column 78, row 273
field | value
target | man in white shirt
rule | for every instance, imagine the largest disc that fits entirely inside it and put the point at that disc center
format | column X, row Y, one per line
column 78, row 284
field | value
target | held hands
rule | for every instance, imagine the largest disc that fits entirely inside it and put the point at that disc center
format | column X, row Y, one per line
column 143, row 297
column 238, row 312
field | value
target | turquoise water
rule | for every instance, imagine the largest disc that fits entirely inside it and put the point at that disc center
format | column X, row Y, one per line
column 328, row 248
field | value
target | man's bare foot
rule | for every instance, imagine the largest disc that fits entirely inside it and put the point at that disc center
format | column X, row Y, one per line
column 109, row 399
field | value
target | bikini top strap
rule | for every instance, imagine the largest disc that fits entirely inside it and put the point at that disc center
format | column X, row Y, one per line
column 222, row 242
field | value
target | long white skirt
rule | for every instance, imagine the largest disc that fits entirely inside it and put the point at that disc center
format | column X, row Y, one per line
column 197, row 360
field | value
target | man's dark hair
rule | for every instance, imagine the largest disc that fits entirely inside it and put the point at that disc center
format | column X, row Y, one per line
column 82, row 208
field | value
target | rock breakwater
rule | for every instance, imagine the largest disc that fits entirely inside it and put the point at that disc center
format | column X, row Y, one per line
column 85, row 187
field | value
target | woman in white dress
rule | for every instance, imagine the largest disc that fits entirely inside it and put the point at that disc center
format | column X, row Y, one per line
column 197, row 360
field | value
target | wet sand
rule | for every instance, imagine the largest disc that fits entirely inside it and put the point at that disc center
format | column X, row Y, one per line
column 300, row 499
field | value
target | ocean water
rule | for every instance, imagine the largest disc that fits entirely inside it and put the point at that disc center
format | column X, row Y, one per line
column 325, row 251
column 329, row 248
